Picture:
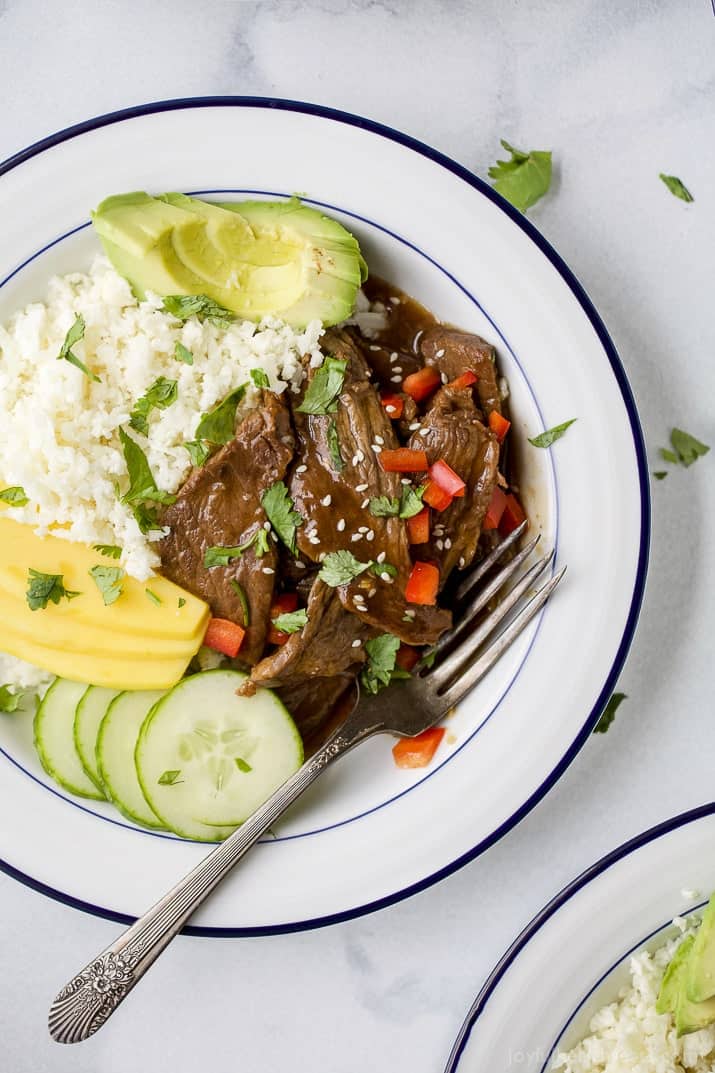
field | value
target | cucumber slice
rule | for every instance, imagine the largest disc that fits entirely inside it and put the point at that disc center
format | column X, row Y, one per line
column 54, row 738
column 116, row 742
column 207, row 758
column 90, row 712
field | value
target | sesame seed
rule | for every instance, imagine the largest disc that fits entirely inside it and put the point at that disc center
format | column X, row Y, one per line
column 372, row 592
column 414, row 426
column 381, row 557
column 355, row 537
column 314, row 540
column 447, row 544
column 386, row 577
column 423, row 432
column 462, row 563
column 405, row 480
column 397, row 369
column 356, row 644
column 360, row 456
column 274, row 537
column 444, row 378
column 300, row 565
column 365, row 504
column 370, row 535
column 390, row 409
column 440, row 544
column 321, row 556
column 395, row 301
column 361, row 487
column 379, row 439
column 410, row 613
column 439, row 354
column 327, row 500
column 364, row 529
column 416, row 338
column 393, row 356
column 267, row 526
column 301, row 469
column 355, row 460
column 376, row 448
column 341, row 525
column 268, row 570
column 374, row 347
column 395, row 379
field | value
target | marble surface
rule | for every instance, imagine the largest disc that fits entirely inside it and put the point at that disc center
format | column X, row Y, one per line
column 619, row 92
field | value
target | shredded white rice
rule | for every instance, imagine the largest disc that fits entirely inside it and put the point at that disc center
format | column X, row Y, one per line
column 628, row 1036
column 59, row 433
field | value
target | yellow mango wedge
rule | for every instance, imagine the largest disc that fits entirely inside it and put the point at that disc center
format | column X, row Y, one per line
column 131, row 644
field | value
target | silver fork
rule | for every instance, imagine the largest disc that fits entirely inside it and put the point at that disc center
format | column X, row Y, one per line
column 89, row 999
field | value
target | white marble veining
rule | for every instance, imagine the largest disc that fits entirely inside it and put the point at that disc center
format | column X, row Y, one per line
column 619, row 92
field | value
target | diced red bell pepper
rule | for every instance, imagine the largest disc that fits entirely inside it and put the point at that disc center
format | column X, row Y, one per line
column 407, row 657
column 282, row 605
column 444, row 476
column 499, row 425
column 224, row 636
column 394, row 406
column 403, row 460
column 464, row 381
column 422, row 584
column 512, row 516
column 418, row 527
column 422, row 383
column 436, row 497
column 495, row 509
column 417, row 752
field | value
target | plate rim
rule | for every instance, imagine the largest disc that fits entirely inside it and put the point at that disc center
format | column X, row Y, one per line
column 614, row 856
column 588, row 308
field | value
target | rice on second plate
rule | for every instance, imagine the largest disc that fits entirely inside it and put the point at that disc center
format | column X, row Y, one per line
column 628, row 1036
column 59, row 433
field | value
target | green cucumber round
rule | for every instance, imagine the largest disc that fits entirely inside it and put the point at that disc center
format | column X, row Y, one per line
column 54, row 738
column 207, row 758
column 116, row 742
column 90, row 712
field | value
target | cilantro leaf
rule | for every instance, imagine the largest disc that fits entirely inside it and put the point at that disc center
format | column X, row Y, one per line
column 523, row 179
column 151, row 595
column 381, row 655
column 687, row 448
column 75, row 333
column 242, row 765
column 243, row 601
column 545, row 439
column 162, row 393
column 384, row 507
column 219, row 425
column 339, row 568
column 676, row 187
column 111, row 551
column 10, row 700
column 334, row 447
column 184, row 306
column 382, row 568
column 46, row 588
column 14, row 496
column 281, row 513
column 198, row 451
column 181, row 602
column 660, row 474
column 609, row 713
column 108, row 580
column 669, row 456
column 291, row 621
column 182, row 353
column 223, row 556
column 321, row 396
column 142, row 486
column 411, row 500
column 260, row 378
column 169, row 778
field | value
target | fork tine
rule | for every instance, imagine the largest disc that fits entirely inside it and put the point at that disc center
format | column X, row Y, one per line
column 477, row 670
column 486, row 564
column 449, row 667
column 484, row 596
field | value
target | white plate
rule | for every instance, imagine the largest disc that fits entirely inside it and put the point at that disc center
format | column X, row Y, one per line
column 367, row 834
column 573, row 957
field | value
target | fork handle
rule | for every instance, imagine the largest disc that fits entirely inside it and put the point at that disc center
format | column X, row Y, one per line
column 92, row 996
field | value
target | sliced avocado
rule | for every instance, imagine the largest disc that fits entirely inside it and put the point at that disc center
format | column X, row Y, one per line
column 281, row 258
column 673, row 978
column 673, row 998
column 700, row 980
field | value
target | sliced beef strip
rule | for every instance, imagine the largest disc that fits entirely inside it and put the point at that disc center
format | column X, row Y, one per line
column 220, row 505
column 454, row 432
column 454, row 352
column 386, row 364
column 323, row 648
column 334, row 503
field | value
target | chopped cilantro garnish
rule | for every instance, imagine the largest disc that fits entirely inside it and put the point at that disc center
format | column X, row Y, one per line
column 660, row 474
column 153, row 597
column 384, row 507
column 198, row 451
column 281, row 513
column 260, row 378
column 545, row 439
column 169, row 778
column 334, row 448
column 11, row 699
column 340, row 568
column 381, row 655
column 46, row 588
column 14, row 496
column 238, row 589
column 108, row 580
column 110, row 551
column 523, row 179
column 409, row 504
column 181, row 602
column 223, row 556
column 219, row 425
column 184, row 306
column 291, row 621
column 609, row 713
column 242, row 764
column 162, row 393
column 321, row 396
column 676, row 187
column 687, row 448
column 182, row 353
column 75, row 333
column 142, row 486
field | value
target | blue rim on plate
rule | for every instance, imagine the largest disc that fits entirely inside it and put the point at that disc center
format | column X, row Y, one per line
column 556, row 903
column 589, row 310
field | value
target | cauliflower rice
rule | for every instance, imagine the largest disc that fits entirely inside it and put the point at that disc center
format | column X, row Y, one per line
column 628, row 1036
